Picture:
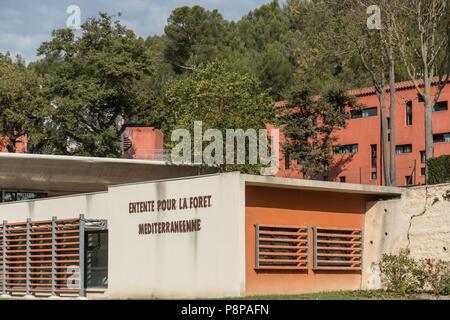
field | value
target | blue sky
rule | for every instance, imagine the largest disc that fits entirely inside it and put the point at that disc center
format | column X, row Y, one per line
column 24, row 24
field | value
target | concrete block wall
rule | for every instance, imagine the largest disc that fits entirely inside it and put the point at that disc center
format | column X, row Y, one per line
column 419, row 222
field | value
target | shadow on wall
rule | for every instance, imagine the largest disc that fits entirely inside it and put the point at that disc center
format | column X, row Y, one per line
column 338, row 166
column 306, row 200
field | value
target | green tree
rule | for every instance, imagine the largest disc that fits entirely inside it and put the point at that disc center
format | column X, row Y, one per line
column 94, row 85
column 265, row 35
column 309, row 124
column 422, row 34
column 195, row 36
column 23, row 105
column 221, row 100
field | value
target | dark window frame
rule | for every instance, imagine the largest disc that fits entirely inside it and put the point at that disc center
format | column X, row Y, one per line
column 440, row 106
column 287, row 160
column 346, row 149
column 14, row 196
column 423, row 172
column 403, row 149
column 409, row 113
column 441, row 137
column 87, row 249
column 374, row 175
column 364, row 113
column 374, row 155
column 423, row 157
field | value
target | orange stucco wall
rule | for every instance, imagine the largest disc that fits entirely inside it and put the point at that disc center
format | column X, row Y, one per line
column 148, row 143
column 301, row 208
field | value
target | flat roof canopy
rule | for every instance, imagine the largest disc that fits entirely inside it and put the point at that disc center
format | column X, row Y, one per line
column 70, row 174
column 289, row 183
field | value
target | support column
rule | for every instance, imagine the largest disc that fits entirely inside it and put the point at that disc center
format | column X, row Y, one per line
column 81, row 257
column 315, row 247
column 307, row 248
column 4, row 292
column 256, row 246
column 54, row 256
column 28, row 258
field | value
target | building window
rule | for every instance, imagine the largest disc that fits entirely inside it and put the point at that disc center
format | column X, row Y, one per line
column 344, row 149
column 389, row 137
column 409, row 116
column 342, row 179
column 423, row 157
column 408, row 180
column 96, row 259
column 440, row 106
column 420, row 98
column 337, row 249
column 374, row 175
column 364, row 113
column 405, row 148
column 281, row 247
column 441, row 137
column 423, row 171
column 10, row 196
column 388, row 123
column 373, row 154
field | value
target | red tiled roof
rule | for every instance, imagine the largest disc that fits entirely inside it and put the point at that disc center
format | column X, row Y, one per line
column 404, row 85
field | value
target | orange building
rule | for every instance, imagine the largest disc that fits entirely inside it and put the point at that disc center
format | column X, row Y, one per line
column 358, row 157
column 21, row 146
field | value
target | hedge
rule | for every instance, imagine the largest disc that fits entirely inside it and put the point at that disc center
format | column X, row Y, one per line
column 439, row 170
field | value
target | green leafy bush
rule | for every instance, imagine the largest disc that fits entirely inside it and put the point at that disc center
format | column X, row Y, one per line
column 438, row 277
column 403, row 274
column 439, row 170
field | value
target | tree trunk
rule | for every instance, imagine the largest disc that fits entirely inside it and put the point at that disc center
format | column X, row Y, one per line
column 384, row 138
column 11, row 146
column 429, row 147
column 392, row 107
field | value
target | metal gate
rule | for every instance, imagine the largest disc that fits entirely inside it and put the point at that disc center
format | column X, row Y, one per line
column 42, row 257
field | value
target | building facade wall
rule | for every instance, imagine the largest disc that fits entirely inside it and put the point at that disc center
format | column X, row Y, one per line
column 357, row 168
column 299, row 208
column 208, row 262
column 419, row 222
column 93, row 206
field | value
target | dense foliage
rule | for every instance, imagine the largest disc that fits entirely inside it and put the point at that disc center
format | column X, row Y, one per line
column 23, row 105
column 309, row 125
column 221, row 100
column 93, row 82
column 439, row 170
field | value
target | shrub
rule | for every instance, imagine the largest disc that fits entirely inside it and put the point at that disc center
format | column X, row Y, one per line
column 403, row 274
column 439, row 169
column 438, row 277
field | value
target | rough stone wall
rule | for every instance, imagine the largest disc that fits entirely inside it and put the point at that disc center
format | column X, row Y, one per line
column 419, row 221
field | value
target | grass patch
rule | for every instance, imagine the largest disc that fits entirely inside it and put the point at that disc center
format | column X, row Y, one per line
column 338, row 295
